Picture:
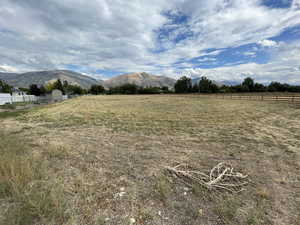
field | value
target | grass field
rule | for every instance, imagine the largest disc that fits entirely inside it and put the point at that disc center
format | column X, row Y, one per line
column 100, row 160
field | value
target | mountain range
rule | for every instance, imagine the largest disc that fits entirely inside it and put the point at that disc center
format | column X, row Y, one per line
column 43, row 77
column 140, row 78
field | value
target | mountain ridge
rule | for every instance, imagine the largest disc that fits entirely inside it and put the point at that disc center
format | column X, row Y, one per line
column 43, row 77
column 141, row 79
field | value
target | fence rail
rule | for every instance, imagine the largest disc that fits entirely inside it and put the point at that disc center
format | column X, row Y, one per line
column 274, row 98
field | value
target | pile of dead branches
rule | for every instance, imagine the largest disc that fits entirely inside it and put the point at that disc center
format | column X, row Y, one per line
column 222, row 176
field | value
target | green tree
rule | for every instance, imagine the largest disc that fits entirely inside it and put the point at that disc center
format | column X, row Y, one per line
column 165, row 90
column 49, row 87
column 97, row 89
column 42, row 90
column 149, row 90
column 207, row 86
column 34, row 90
column 58, row 85
column 248, row 84
column 259, row 87
column 75, row 90
column 195, row 88
column 129, row 89
column 183, row 85
column 4, row 87
column 65, row 84
column 274, row 86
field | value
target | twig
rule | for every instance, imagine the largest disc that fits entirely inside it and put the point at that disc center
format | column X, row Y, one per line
column 222, row 176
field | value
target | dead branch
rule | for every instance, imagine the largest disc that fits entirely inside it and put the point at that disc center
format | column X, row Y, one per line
column 222, row 176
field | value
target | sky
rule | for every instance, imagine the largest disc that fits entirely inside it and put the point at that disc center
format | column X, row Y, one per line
column 225, row 40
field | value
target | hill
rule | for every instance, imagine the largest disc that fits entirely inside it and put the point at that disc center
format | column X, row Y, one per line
column 43, row 77
column 141, row 79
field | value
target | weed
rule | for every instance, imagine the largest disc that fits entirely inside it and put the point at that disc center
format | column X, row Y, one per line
column 226, row 208
column 162, row 187
column 263, row 193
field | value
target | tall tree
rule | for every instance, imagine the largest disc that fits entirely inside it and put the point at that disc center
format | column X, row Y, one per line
column 207, row 86
column 183, row 85
column 58, row 85
column 248, row 84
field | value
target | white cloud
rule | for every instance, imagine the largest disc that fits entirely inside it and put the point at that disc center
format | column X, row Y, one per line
column 267, row 43
column 250, row 54
column 8, row 69
column 284, row 67
column 123, row 35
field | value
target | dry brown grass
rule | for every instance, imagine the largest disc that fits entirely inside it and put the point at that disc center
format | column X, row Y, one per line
column 107, row 155
column 27, row 190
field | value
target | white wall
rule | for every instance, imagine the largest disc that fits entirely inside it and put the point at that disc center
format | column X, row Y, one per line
column 24, row 98
column 7, row 98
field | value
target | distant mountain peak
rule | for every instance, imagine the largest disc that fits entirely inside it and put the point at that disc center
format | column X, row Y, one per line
column 141, row 79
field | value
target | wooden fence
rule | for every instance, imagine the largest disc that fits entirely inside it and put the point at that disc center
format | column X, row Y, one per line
column 295, row 99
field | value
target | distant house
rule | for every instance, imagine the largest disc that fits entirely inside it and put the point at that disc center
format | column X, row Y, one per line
column 57, row 95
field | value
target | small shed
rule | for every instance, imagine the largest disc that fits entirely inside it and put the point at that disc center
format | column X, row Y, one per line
column 57, row 95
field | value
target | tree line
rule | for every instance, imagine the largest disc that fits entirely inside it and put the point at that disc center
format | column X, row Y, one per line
column 135, row 89
column 185, row 85
column 97, row 89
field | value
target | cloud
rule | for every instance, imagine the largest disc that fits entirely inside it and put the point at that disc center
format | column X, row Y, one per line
column 158, row 36
column 250, row 54
column 283, row 67
column 8, row 69
column 267, row 43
